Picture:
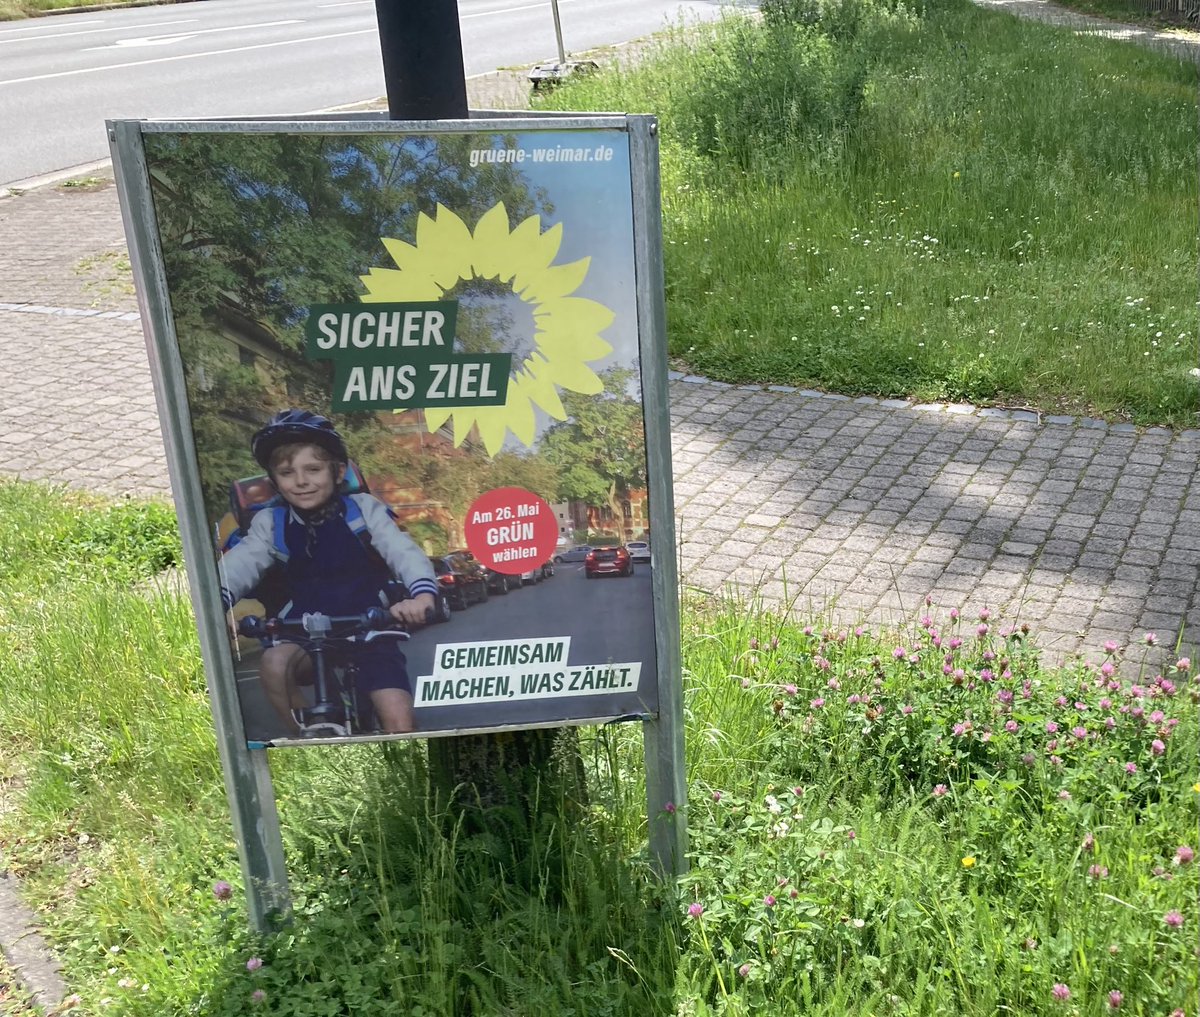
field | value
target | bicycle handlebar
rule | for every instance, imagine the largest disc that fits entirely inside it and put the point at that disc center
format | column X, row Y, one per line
column 316, row 625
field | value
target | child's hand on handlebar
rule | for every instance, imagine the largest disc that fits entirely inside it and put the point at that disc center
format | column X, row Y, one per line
column 415, row 611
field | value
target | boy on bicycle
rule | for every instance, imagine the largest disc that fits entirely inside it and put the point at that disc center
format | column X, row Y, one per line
column 327, row 566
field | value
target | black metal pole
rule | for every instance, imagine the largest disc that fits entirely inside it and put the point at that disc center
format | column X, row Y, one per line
column 423, row 72
column 422, row 59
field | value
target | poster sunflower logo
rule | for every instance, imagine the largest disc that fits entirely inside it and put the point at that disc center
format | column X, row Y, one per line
column 567, row 328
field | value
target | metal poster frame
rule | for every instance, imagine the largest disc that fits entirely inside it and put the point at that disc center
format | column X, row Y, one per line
column 245, row 765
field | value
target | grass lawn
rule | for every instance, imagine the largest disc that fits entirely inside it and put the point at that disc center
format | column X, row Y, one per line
column 14, row 10
column 14, row 1000
column 921, row 822
column 953, row 206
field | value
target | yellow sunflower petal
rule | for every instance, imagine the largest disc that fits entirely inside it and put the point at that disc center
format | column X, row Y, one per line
column 493, row 426
column 542, row 390
column 464, row 420
column 491, row 250
column 444, row 245
column 435, row 417
column 579, row 347
column 531, row 251
column 573, row 315
column 576, row 376
column 555, row 281
column 404, row 255
column 387, row 284
column 519, row 411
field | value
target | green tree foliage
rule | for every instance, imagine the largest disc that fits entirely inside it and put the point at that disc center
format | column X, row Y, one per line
column 533, row 472
column 599, row 450
column 257, row 227
column 456, row 480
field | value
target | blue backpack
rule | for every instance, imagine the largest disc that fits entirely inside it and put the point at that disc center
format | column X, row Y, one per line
column 251, row 495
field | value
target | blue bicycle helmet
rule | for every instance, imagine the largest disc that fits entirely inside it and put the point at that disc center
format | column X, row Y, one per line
column 289, row 426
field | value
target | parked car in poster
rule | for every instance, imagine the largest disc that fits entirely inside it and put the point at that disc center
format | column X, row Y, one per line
column 500, row 583
column 497, row 582
column 462, row 585
column 639, row 550
column 611, row 560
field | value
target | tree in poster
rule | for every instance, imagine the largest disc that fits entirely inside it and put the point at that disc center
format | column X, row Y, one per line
column 257, row 227
column 456, row 480
column 600, row 450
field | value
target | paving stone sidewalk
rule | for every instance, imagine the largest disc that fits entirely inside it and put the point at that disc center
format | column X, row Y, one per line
column 859, row 509
column 1184, row 44
column 850, row 509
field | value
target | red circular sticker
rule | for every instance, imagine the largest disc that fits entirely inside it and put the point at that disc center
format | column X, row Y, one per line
column 511, row 530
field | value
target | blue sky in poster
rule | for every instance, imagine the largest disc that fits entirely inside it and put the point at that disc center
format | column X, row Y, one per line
column 592, row 200
column 585, row 177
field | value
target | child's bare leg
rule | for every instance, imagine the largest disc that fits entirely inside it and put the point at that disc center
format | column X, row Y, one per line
column 394, row 710
column 283, row 666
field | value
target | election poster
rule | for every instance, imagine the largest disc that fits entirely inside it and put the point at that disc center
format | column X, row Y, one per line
column 413, row 371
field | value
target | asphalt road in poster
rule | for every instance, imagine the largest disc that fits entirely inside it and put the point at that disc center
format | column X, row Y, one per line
column 605, row 617
column 61, row 77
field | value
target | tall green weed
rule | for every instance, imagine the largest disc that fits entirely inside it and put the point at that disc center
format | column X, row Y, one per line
column 941, row 202
column 759, row 98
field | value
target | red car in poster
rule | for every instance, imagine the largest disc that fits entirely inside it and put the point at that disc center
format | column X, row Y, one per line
column 613, row 560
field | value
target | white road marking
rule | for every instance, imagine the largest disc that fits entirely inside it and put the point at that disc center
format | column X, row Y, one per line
column 182, row 56
column 511, row 10
column 160, row 40
column 95, row 31
column 42, row 28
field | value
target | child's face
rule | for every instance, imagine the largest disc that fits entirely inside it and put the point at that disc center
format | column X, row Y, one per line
column 306, row 480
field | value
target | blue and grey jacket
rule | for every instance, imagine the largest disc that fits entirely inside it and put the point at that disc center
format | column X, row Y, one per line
column 335, row 566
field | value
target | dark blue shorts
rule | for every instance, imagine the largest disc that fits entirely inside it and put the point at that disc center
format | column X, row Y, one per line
column 381, row 665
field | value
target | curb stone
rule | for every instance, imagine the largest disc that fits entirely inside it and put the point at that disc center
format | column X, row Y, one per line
column 1019, row 414
column 26, row 950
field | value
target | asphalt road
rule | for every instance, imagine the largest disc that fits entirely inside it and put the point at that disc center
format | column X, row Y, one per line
column 607, row 619
column 62, row 77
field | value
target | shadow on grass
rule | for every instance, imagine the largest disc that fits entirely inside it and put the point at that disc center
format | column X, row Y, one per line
column 400, row 907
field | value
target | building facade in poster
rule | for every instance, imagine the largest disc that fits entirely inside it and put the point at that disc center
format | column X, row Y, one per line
column 462, row 309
